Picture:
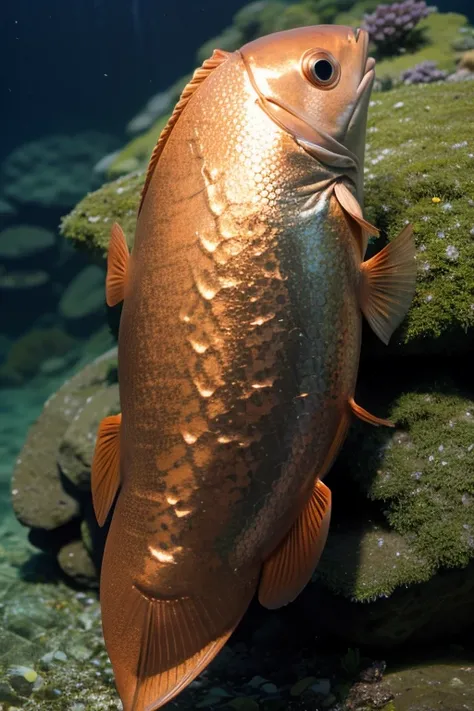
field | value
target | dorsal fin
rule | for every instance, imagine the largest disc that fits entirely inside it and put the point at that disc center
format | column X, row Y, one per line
column 219, row 56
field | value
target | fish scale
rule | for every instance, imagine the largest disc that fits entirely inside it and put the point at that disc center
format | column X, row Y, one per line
column 239, row 348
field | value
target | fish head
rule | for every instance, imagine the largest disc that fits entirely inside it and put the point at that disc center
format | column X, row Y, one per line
column 315, row 83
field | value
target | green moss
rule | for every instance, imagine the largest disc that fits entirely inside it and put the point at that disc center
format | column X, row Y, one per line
column 419, row 148
column 367, row 561
column 440, row 30
column 136, row 154
column 412, row 511
column 89, row 224
column 425, row 473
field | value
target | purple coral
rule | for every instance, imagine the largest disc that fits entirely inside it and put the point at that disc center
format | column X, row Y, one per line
column 390, row 26
column 423, row 73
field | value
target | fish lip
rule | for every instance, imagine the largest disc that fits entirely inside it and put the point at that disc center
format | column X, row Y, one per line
column 334, row 154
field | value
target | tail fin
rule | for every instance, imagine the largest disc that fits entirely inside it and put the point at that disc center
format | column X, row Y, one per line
column 157, row 646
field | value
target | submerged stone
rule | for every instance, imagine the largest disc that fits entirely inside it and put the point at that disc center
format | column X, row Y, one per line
column 39, row 497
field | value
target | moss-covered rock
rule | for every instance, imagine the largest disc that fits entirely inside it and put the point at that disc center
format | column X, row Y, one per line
column 421, row 170
column 416, row 170
column 89, row 224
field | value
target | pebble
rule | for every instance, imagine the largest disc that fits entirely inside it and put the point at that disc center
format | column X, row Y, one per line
column 329, row 701
column 22, row 679
column 213, row 697
column 6, row 694
column 301, row 685
column 218, row 691
column 321, row 686
column 269, row 688
column 257, row 681
column 456, row 682
column 244, row 703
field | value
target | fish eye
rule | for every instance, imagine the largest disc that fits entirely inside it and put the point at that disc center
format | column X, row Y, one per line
column 321, row 69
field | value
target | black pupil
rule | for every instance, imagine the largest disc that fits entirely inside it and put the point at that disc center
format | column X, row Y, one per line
column 323, row 70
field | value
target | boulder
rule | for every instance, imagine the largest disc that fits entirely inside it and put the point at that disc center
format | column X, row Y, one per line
column 54, row 171
column 82, row 305
column 40, row 498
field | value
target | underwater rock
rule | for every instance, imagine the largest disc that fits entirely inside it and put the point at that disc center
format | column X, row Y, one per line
column 54, row 171
column 40, row 499
column 83, row 303
column 420, row 172
column 416, row 171
column 446, row 683
column 90, row 222
column 27, row 246
column 75, row 561
column 29, row 352
column 399, row 561
column 77, row 447
column 6, row 208
column 25, row 296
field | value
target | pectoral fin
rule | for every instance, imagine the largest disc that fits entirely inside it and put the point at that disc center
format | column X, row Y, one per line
column 117, row 266
column 289, row 568
column 388, row 284
column 350, row 205
column 105, row 471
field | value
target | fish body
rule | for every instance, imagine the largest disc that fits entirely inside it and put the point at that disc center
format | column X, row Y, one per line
column 239, row 346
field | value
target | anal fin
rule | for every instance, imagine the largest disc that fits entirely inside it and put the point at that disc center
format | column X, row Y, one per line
column 117, row 265
column 365, row 416
column 105, row 471
column 388, row 284
column 291, row 565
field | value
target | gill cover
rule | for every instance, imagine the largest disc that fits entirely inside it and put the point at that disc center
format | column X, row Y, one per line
column 314, row 82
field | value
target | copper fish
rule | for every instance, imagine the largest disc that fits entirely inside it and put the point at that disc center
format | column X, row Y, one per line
column 238, row 350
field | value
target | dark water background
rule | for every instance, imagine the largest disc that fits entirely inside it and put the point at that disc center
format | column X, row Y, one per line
column 68, row 65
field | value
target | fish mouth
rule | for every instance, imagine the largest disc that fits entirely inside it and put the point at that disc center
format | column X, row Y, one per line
column 315, row 141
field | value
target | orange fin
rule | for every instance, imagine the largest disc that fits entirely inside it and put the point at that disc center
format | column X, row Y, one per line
column 117, row 264
column 105, row 471
column 388, row 284
column 218, row 57
column 292, row 563
column 367, row 417
column 350, row 205
column 178, row 638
